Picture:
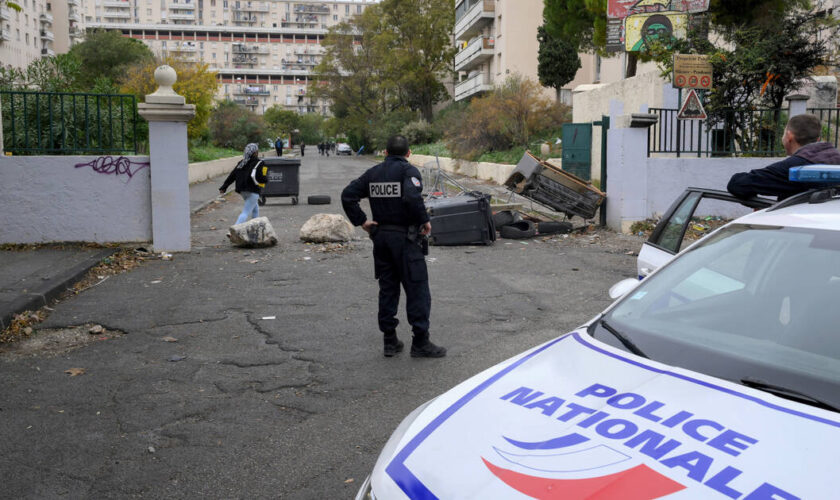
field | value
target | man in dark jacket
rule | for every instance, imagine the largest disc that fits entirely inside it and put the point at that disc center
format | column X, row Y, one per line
column 801, row 141
column 394, row 188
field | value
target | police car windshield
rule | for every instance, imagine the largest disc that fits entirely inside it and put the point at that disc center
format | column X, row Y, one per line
column 750, row 301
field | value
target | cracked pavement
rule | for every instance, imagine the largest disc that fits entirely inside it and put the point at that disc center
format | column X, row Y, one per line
column 286, row 408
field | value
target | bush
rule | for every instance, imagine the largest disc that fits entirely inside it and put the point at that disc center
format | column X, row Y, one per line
column 512, row 115
column 390, row 124
column 419, row 132
column 232, row 126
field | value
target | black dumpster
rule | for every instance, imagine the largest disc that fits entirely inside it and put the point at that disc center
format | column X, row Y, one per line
column 283, row 179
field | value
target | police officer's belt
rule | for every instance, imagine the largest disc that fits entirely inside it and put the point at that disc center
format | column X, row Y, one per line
column 392, row 227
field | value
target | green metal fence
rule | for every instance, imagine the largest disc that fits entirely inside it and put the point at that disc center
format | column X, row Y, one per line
column 750, row 132
column 62, row 123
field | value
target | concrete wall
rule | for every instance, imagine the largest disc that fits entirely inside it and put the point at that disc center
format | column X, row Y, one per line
column 640, row 188
column 75, row 198
column 632, row 95
column 497, row 172
column 202, row 171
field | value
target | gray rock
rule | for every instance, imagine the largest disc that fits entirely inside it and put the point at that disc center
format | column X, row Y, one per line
column 253, row 233
column 325, row 228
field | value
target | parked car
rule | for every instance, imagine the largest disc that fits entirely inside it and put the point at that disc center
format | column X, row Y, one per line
column 342, row 148
column 716, row 376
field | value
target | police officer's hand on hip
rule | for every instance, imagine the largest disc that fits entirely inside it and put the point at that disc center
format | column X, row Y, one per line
column 398, row 228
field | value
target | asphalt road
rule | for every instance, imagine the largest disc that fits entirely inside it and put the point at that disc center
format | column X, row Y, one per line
column 292, row 407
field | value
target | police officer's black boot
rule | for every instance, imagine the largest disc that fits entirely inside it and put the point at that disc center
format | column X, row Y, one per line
column 393, row 345
column 422, row 347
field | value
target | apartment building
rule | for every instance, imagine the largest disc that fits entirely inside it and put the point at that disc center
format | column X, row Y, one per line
column 496, row 38
column 263, row 51
column 41, row 28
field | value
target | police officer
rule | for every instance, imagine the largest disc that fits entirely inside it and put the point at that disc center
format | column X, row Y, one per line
column 399, row 224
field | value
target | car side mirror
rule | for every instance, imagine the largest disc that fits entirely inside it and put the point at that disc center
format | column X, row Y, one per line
column 621, row 288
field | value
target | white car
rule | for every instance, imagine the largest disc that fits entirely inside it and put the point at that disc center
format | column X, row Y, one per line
column 342, row 148
column 717, row 376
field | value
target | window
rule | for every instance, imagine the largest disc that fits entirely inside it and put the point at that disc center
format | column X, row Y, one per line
column 214, row 55
column 148, row 12
column 346, row 9
column 335, row 18
column 27, row 39
column 358, row 9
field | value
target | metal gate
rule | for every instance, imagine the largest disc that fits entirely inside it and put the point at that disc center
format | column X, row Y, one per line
column 577, row 149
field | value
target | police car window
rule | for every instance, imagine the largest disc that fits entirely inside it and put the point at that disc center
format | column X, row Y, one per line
column 709, row 216
column 765, row 290
column 671, row 235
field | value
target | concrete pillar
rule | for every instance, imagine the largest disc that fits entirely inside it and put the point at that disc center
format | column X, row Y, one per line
column 627, row 160
column 798, row 104
column 168, row 116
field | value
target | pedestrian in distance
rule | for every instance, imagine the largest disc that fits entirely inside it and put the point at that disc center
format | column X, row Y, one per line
column 321, row 148
column 246, row 174
column 278, row 146
column 801, row 141
column 302, row 148
column 398, row 230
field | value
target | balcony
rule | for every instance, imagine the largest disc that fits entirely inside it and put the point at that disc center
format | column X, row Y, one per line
column 115, row 14
column 239, row 48
column 475, row 53
column 5, row 14
column 118, row 4
column 312, row 9
column 239, row 19
column 252, row 91
column 250, row 102
column 182, row 16
column 47, row 36
column 244, row 59
column 74, row 3
column 183, row 48
column 308, row 51
column 46, row 19
column 4, row 35
column 76, row 32
column 478, row 15
column 472, row 86
column 45, row 52
column 251, row 8
column 73, row 16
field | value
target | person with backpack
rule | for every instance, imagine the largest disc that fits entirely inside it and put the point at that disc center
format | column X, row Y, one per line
column 250, row 175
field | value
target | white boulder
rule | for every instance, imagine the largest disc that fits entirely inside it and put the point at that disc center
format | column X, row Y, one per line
column 253, row 233
column 325, row 228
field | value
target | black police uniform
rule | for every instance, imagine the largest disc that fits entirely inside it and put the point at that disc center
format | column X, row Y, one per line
column 394, row 189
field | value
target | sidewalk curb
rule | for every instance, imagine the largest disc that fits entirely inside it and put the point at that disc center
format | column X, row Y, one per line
column 50, row 289
column 203, row 205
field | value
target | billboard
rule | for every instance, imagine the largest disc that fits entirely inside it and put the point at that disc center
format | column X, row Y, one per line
column 642, row 29
column 619, row 9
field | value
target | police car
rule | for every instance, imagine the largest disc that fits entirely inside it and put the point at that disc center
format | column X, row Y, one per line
column 717, row 376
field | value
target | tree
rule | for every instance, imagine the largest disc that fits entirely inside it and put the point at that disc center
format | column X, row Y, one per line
column 107, row 54
column 417, row 35
column 279, row 121
column 557, row 60
column 310, row 127
column 233, row 126
column 390, row 59
column 195, row 82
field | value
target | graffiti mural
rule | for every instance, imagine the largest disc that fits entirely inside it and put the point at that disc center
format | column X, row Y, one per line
column 643, row 29
column 619, row 9
column 120, row 165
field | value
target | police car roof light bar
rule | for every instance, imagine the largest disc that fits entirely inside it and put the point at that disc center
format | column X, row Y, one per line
column 829, row 174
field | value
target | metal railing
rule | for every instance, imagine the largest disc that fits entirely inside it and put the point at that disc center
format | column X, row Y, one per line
column 830, row 118
column 62, row 123
column 752, row 132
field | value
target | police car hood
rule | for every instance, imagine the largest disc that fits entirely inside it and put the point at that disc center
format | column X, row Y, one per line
column 575, row 418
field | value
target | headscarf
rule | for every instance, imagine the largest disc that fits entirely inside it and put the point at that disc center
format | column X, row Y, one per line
column 250, row 150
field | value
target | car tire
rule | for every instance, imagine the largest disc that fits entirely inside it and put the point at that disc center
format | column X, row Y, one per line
column 318, row 199
column 518, row 230
column 505, row 217
column 554, row 227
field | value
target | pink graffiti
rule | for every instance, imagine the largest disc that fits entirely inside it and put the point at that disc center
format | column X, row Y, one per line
column 120, row 165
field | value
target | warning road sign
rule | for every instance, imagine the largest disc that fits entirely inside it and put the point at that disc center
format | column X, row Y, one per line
column 692, row 108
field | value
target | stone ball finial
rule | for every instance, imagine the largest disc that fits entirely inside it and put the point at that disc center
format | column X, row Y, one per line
column 165, row 76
